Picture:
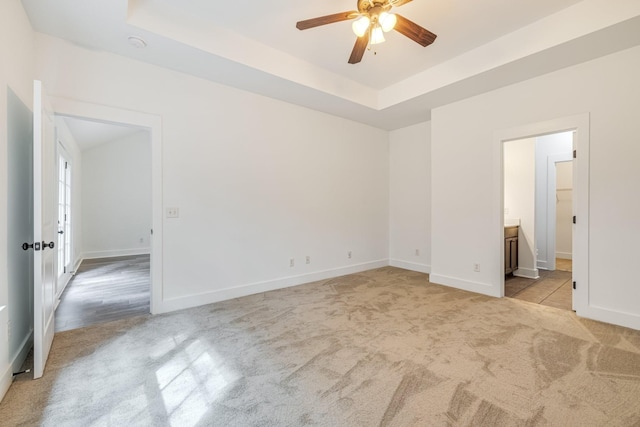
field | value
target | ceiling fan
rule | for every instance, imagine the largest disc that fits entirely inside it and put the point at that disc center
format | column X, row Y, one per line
column 372, row 20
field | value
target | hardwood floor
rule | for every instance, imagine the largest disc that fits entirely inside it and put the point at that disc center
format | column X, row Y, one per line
column 103, row 290
column 564, row 264
column 553, row 288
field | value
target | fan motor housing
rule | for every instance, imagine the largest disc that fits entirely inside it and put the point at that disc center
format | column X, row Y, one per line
column 366, row 6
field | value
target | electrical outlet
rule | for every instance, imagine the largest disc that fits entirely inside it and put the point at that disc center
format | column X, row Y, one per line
column 308, row 259
column 476, row 267
column 349, row 254
column 417, row 252
column 173, row 212
column 292, row 262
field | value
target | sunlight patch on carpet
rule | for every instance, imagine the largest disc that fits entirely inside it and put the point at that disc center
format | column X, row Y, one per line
column 190, row 380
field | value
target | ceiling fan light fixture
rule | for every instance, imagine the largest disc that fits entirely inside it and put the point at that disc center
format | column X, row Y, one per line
column 361, row 25
column 387, row 21
column 377, row 36
column 370, row 21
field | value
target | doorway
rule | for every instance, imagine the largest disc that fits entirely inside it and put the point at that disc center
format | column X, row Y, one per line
column 533, row 189
column 153, row 124
column 564, row 215
column 64, row 220
column 578, row 283
column 112, row 223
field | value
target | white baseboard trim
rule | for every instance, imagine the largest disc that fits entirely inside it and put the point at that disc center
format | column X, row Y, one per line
column 529, row 273
column 76, row 265
column 628, row 320
column 465, row 285
column 6, row 373
column 413, row 266
column 21, row 355
column 542, row 265
column 564, row 255
column 115, row 253
column 14, row 365
column 218, row 295
column 67, row 279
column 5, row 381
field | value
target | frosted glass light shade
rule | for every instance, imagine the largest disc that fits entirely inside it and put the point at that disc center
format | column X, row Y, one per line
column 387, row 21
column 361, row 25
column 377, row 36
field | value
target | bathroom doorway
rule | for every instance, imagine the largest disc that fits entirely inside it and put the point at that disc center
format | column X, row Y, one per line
column 538, row 210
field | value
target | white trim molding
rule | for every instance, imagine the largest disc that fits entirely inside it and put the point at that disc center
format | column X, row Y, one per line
column 76, row 108
column 579, row 123
column 529, row 273
column 116, row 253
column 217, row 295
column 6, row 371
column 466, row 285
column 413, row 266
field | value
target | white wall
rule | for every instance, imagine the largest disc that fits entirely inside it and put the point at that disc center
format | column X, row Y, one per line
column 257, row 181
column 116, row 197
column 519, row 199
column 549, row 149
column 463, row 156
column 67, row 139
column 20, row 230
column 409, row 197
column 564, row 209
column 16, row 72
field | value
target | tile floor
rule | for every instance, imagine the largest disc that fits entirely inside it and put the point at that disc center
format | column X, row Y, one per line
column 553, row 288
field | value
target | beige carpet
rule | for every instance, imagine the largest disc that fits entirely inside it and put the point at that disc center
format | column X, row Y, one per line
column 381, row 348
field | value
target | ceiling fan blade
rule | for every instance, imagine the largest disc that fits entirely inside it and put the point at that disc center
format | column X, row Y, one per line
column 324, row 20
column 359, row 48
column 414, row 31
column 398, row 3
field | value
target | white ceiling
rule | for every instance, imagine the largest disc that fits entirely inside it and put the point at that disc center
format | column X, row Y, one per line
column 89, row 134
column 461, row 25
column 254, row 45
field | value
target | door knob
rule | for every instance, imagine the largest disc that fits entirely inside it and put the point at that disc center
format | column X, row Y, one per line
column 34, row 246
column 49, row 245
column 61, row 232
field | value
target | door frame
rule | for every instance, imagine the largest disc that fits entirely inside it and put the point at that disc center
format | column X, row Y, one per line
column 552, row 161
column 63, row 279
column 85, row 110
column 580, row 124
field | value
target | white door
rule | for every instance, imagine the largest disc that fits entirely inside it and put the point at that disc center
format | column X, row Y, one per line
column 44, row 228
column 575, row 266
column 64, row 221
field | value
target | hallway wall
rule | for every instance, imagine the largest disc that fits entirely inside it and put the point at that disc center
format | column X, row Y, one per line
column 16, row 74
column 116, row 197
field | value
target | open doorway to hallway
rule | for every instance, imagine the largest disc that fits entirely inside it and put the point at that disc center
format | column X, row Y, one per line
column 110, row 225
column 538, row 186
column 103, row 290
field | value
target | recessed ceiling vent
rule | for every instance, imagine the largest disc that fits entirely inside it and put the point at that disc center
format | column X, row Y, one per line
column 137, row 42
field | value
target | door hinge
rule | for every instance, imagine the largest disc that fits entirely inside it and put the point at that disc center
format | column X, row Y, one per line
column 574, row 285
column 574, row 219
column 66, row 165
column 575, row 153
